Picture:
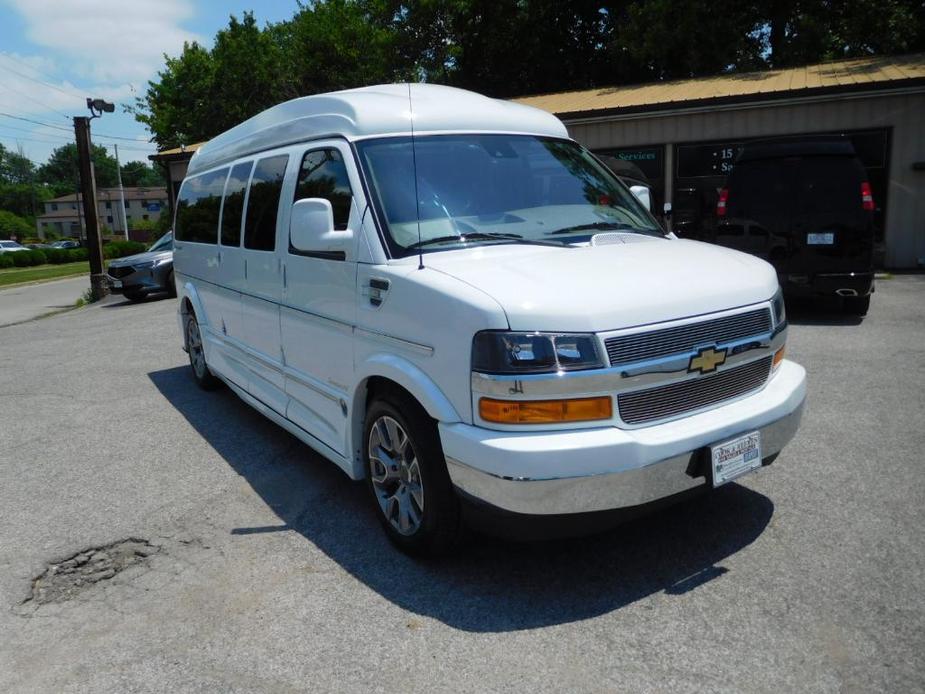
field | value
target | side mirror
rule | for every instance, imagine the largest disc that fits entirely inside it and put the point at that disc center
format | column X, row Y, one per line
column 642, row 194
column 311, row 229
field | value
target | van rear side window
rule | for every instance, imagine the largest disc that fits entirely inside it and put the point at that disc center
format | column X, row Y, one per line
column 197, row 207
column 263, row 203
column 233, row 207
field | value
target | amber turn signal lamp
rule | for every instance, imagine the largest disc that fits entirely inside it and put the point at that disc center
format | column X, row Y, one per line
column 778, row 358
column 545, row 411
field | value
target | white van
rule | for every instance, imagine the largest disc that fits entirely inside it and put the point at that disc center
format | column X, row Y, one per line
column 455, row 302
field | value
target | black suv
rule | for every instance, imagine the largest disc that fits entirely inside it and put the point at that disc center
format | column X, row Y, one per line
column 805, row 206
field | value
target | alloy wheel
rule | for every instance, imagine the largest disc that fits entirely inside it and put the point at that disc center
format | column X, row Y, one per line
column 396, row 475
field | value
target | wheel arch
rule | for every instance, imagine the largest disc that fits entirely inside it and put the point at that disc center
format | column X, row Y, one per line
column 389, row 372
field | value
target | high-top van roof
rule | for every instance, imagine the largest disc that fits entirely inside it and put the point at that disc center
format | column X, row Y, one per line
column 811, row 145
column 373, row 112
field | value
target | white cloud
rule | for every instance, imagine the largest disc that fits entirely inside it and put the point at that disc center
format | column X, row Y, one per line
column 109, row 41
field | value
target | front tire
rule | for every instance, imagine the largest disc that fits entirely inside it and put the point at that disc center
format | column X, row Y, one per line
column 134, row 297
column 171, row 286
column 407, row 478
column 197, row 356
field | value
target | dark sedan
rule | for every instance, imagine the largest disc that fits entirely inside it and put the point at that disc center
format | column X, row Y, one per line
column 150, row 272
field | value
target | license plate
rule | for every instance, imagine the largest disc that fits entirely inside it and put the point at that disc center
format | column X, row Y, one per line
column 116, row 284
column 736, row 457
column 821, row 239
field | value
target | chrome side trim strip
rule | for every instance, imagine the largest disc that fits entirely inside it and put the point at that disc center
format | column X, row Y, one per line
column 335, row 323
column 225, row 341
column 324, row 391
column 417, row 347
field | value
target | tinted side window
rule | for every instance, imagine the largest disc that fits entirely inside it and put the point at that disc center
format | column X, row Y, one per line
column 197, row 207
column 233, row 206
column 263, row 203
column 323, row 174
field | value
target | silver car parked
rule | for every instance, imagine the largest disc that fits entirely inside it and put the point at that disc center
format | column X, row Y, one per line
column 138, row 275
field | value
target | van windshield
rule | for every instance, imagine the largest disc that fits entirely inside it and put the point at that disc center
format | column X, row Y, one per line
column 475, row 190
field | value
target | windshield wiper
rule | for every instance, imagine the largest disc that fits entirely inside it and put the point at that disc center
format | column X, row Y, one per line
column 603, row 226
column 484, row 236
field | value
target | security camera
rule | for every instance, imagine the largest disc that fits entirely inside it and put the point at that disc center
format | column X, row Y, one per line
column 100, row 105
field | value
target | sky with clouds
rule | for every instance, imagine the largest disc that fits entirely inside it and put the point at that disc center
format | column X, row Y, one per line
column 55, row 53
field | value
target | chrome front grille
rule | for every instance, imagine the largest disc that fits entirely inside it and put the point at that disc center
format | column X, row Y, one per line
column 626, row 349
column 675, row 399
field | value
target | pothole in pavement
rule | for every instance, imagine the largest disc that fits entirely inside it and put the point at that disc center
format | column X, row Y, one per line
column 64, row 579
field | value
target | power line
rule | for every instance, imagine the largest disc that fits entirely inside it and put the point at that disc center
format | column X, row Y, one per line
column 40, row 72
column 37, row 122
column 17, row 138
column 73, row 95
column 69, row 130
column 33, row 99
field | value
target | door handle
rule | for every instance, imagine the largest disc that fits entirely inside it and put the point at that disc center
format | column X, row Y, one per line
column 376, row 290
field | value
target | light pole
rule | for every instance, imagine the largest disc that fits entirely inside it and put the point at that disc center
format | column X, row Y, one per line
column 121, row 192
column 98, row 285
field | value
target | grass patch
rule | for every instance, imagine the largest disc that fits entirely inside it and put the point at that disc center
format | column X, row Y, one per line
column 17, row 275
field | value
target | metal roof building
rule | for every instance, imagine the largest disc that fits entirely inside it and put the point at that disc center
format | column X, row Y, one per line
column 685, row 134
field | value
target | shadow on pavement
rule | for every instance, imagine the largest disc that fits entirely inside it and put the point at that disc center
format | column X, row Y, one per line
column 119, row 301
column 489, row 585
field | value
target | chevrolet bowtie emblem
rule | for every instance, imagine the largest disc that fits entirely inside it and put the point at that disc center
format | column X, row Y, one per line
column 707, row 360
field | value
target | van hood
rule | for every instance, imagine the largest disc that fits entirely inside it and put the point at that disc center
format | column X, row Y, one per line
column 601, row 288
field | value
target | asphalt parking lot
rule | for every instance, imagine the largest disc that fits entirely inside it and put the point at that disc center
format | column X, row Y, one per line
column 260, row 567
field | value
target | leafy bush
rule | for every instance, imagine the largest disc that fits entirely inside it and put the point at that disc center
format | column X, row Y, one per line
column 120, row 249
column 6, row 260
column 56, row 256
column 37, row 256
column 21, row 258
column 75, row 255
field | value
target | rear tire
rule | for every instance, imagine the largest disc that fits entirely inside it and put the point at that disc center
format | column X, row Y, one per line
column 197, row 356
column 406, row 476
column 857, row 305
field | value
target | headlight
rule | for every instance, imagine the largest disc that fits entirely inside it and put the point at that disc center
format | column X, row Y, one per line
column 780, row 311
column 144, row 265
column 780, row 315
column 520, row 353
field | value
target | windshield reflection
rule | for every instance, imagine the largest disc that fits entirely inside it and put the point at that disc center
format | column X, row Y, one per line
column 494, row 189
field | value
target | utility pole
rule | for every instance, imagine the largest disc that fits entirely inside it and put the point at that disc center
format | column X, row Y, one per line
column 121, row 192
column 99, row 287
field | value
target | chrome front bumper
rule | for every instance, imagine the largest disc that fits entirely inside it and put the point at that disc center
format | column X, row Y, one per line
column 607, row 491
column 612, row 468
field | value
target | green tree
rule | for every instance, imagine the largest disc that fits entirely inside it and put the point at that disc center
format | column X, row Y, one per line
column 23, row 199
column 60, row 171
column 339, row 44
column 15, row 167
column 798, row 32
column 504, row 48
column 203, row 92
column 14, row 225
column 137, row 173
